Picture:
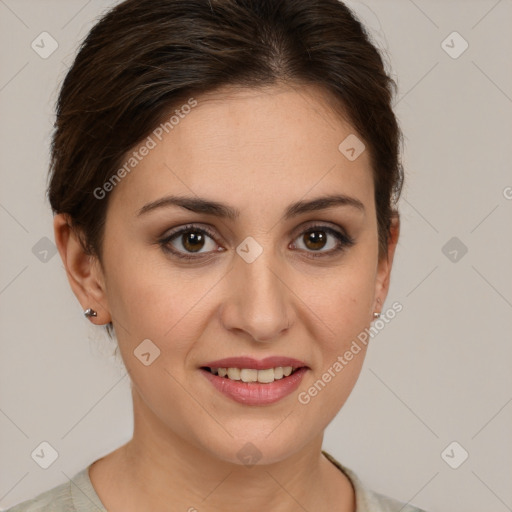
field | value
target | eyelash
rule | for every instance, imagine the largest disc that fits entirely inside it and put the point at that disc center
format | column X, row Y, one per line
column 344, row 241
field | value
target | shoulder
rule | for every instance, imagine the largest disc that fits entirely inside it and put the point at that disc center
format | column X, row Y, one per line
column 75, row 495
column 368, row 500
column 57, row 499
column 375, row 501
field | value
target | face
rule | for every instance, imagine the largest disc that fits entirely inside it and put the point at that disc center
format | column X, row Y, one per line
column 270, row 277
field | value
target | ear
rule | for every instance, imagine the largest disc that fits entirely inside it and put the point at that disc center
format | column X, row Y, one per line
column 385, row 263
column 84, row 271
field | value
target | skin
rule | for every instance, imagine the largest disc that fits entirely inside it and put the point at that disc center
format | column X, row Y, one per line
column 186, row 434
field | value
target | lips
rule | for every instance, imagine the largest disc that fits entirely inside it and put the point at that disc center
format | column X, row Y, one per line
column 256, row 364
column 255, row 393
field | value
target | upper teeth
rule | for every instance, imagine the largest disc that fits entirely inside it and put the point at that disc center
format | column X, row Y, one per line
column 252, row 375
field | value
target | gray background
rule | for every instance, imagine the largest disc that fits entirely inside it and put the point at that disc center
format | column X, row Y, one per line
column 439, row 372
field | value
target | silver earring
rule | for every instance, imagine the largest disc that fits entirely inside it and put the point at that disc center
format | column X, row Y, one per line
column 376, row 315
column 90, row 312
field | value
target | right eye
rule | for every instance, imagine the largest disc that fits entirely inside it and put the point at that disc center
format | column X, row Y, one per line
column 187, row 241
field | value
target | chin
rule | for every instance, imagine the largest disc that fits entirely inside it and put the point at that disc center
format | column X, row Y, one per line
column 264, row 447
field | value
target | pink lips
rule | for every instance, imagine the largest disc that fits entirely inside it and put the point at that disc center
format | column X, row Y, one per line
column 256, row 393
column 249, row 362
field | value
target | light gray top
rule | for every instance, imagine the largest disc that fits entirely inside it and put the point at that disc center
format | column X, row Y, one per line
column 78, row 495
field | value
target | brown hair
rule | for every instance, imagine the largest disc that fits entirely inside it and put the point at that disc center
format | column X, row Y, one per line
column 145, row 57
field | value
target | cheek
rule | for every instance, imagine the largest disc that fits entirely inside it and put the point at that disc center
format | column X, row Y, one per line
column 342, row 306
column 341, row 302
column 138, row 289
column 342, row 299
column 150, row 298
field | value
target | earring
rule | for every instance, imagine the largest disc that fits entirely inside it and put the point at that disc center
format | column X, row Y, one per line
column 90, row 312
column 376, row 315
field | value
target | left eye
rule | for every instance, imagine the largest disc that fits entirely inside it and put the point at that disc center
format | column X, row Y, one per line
column 316, row 238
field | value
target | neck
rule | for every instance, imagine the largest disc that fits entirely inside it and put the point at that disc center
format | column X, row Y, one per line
column 160, row 470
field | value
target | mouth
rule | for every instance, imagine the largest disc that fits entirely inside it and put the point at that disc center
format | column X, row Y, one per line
column 254, row 381
column 253, row 375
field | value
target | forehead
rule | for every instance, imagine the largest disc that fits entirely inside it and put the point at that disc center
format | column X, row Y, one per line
column 280, row 140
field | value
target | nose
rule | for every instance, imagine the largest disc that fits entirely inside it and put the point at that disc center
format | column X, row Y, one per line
column 257, row 299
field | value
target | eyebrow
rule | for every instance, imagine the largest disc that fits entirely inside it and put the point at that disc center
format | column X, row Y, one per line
column 205, row 206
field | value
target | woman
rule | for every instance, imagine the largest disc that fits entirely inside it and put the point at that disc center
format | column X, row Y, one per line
column 224, row 178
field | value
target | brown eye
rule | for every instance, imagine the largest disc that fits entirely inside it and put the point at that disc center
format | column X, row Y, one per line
column 317, row 238
column 189, row 242
column 193, row 241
